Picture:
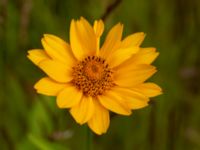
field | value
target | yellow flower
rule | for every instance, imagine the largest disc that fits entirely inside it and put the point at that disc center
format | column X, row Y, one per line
column 91, row 81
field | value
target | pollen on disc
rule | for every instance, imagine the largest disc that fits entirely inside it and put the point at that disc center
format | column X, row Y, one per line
column 93, row 76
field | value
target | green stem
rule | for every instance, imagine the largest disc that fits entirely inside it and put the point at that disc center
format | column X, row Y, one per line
column 89, row 140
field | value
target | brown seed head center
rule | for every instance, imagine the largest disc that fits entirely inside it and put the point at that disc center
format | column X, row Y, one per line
column 93, row 76
column 94, row 70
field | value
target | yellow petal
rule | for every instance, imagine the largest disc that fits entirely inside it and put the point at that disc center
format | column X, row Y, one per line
column 134, row 99
column 121, row 55
column 48, row 86
column 133, row 40
column 112, row 101
column 100, row 121
column 77, row 47
column 144, row 56
column 87, row 34
column 98, row 27
column 112, row 41
column 69, row 97
column 37, row 55
column 56, row 70
column 137, row 104
column 129, row 76
column 148, row 89
column 83, row 111
column 58, row 49
column 82, row 38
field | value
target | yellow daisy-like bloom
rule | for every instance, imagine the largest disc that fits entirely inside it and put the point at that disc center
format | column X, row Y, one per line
column 91, row 81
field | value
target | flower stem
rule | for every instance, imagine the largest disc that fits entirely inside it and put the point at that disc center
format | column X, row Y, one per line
column 89, row 140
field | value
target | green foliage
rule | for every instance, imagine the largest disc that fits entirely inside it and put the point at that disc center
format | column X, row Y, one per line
column 31, row 121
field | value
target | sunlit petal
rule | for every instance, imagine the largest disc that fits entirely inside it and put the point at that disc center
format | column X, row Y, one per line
column 100, row 120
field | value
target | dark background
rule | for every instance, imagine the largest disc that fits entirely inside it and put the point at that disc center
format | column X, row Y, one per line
column 29, row 121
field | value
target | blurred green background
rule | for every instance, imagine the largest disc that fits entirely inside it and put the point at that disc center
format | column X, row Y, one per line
column 29, row 121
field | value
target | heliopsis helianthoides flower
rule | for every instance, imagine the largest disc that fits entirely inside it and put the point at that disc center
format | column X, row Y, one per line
column 91, row 81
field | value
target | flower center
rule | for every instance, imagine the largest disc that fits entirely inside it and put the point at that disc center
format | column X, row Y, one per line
column 93, row 76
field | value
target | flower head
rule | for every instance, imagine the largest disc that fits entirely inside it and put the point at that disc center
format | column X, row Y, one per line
column 91, row 81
